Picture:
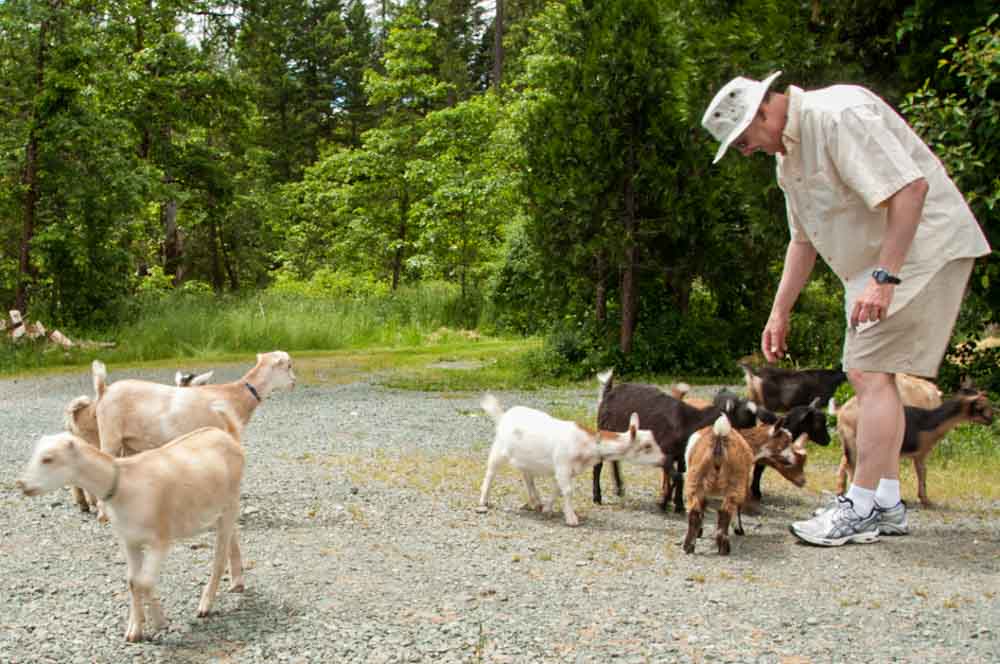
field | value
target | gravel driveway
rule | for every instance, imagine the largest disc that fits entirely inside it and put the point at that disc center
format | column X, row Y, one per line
column 363, row 545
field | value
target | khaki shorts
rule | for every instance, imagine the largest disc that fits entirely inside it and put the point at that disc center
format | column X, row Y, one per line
column 914, row 339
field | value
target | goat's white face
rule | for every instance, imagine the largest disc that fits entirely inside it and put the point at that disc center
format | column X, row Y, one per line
column 279, row 364
column 51, row 465
column 642, row 448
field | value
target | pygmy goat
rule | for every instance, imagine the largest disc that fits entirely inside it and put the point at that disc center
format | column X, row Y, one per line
column 718, row 461
column 924, row 429
column 538, row 444
column 671, row 421
column 183, row 488
column 802, row 422
column 782, row 389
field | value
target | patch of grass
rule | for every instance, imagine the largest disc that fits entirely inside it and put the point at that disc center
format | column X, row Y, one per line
column 963, row 471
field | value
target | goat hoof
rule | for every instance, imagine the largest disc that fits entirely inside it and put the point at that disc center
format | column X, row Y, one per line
column 482, row 509
column 237, row 587
column 688, row 547
column 678, row 509
column 203, row 613
column 739, row 531
column 724, row 547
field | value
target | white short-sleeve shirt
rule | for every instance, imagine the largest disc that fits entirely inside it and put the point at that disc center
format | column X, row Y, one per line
column 847, row 153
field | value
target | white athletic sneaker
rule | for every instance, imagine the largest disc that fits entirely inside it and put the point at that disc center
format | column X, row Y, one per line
column 892, row 520
column 838, row 526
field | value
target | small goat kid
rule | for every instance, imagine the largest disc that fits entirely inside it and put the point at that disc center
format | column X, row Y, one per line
column 538, row 444
column 924, row 428
column 782, row 389
column 718, row 463
column 183, row 488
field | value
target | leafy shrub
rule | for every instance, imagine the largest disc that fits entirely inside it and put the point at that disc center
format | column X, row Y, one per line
column 327, row 283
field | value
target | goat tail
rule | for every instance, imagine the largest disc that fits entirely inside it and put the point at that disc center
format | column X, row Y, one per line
column 100, row 375
column 679, row 391
column 721, row 429
column 492, row 406
column 233, row 426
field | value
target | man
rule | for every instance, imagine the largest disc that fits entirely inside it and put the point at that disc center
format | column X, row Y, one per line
column 865, row 193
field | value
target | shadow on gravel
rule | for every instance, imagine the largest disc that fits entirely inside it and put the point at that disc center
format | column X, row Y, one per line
column 229, row 631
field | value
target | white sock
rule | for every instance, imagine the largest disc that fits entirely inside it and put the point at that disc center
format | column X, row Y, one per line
column 887, row 493
column 863, row 499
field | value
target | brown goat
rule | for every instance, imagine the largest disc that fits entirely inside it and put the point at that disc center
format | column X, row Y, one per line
column 718, row 461
column 924, row 429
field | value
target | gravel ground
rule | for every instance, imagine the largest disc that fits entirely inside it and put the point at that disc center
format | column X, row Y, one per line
column 362, row 544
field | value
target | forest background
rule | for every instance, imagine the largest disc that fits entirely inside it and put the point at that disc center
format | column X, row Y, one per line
column 518, row 167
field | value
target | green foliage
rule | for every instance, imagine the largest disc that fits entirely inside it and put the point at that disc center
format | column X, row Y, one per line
column 328, row 283
column 963, row 129
column 967, row 361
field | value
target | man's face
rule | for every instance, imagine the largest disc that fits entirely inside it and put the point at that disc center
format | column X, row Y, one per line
column 764, row 133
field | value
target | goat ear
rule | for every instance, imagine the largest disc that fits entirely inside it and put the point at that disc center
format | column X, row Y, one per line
column 814, row 403
column 202, row 379
column 779, row 424
column 799, row 445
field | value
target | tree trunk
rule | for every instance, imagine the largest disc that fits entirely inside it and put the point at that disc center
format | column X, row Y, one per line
column 30, row 177
column 173, row 242
column 498, row 47
column 213, row 230
column 630, row 285
column 397, row 259
column 601, row 288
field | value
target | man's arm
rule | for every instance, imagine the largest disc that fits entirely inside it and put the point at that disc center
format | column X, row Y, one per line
column 905, row 208
column 800, row 257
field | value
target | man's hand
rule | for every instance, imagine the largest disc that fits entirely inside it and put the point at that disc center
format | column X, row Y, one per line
column 772, row 340
column 873, row 304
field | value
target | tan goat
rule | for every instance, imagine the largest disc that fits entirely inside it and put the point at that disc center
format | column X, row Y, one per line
column 924, row 428
column 719, row 462
column 80, row 418
column 141, row 415
column 913, row 391
column 188, row 486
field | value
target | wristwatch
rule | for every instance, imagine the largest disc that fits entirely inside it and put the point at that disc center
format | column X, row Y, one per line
column 882, row 276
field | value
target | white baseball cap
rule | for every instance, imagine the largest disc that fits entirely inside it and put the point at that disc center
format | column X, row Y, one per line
column 733, row 108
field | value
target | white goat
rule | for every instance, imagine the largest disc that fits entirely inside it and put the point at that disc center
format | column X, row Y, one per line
column 183, row 488
column 538, row 444
column 141, row 415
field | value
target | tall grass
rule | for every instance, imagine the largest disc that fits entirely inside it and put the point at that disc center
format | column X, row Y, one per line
column 189, row 325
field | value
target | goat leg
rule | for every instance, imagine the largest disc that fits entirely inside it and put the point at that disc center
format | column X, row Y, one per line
column 739, row 522
column 223, row 544
column 758, row 472
column 722, row 531
column 694, row 529
column 920, row 467
column 235, row 562
column 81, row 499
column 597, row 481
column 616, row 469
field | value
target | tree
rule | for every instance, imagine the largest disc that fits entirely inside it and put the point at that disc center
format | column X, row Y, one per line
column 963, row 128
